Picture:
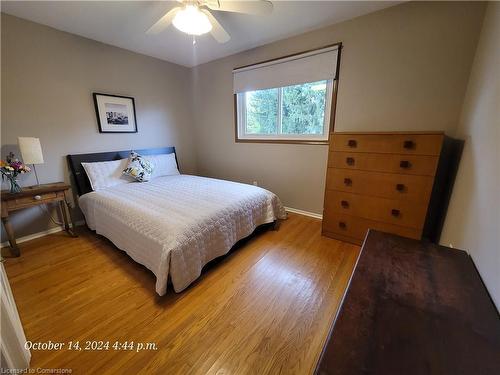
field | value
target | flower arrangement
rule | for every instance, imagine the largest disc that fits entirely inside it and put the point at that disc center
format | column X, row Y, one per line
column 10, row 169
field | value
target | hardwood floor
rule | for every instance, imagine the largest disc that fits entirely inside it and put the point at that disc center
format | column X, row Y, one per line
column 266, row 308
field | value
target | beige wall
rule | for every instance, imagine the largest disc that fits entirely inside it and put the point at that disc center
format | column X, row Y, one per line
column 48, row 77
column 402, row 68
column 473, row 221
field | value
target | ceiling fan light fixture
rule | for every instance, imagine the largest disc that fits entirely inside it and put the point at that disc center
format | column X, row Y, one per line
column 192, row 21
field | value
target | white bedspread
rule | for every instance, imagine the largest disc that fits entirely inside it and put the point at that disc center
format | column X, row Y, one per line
column 177, row 224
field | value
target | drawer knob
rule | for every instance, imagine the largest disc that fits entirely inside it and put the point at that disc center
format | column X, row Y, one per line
column 395, row 212
column 342, row 225
column 37, row 197
column 349, row 161
column 400, row 187
column 347, row 181
column 409, row 145
column 352, row 143
column 344, row 204
column 405, row 164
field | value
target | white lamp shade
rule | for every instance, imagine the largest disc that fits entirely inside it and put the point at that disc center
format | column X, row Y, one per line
column 31, row 150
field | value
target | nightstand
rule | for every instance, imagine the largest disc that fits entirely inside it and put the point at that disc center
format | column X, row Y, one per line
column 33, row 196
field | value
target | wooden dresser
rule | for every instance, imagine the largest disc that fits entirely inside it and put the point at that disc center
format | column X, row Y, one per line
column 383, row 181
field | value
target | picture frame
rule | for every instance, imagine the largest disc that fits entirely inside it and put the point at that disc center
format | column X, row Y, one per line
column 115, row 113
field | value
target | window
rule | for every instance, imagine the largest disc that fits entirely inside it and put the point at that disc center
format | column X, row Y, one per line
column 286, row 100
column 298, row 112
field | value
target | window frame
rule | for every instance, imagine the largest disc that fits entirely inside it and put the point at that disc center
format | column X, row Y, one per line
column 242, row 135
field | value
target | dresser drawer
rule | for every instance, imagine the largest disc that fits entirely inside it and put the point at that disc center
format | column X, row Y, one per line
column 28, row 201
column 384, row 185
column 418, row 144
column 398, row 212
column 356, row 227
column 424, row 165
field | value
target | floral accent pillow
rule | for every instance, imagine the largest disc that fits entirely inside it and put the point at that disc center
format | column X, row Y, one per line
column 138, row 167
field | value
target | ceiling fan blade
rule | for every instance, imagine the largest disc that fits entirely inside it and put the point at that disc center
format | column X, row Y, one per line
column 217, row 31
column 163, row 22
column 247, row 7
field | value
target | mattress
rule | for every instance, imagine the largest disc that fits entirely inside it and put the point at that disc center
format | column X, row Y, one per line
column 174, row 225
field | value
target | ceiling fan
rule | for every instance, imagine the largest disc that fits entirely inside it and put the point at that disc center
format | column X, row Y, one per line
column 193, row 17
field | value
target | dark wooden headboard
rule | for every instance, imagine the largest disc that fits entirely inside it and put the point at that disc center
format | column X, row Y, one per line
column 80, row 176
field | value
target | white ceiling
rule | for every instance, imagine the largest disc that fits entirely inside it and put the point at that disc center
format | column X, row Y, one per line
column 123, row 24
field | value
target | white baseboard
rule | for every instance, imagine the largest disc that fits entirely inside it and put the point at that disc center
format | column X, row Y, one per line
column 305, row 213
column 40, row 234
column 82, row 222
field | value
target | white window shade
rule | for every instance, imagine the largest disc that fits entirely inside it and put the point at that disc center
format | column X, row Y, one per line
column 311, row 66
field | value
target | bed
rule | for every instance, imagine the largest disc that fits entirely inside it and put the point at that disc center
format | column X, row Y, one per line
column 175, row 224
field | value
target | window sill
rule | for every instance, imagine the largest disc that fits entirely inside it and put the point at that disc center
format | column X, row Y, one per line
column 283, row 141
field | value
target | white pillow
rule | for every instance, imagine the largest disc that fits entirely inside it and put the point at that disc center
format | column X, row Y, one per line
column 103, row 174
column 164, row 164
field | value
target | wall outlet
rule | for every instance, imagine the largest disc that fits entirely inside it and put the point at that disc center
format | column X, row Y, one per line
column 255, row 183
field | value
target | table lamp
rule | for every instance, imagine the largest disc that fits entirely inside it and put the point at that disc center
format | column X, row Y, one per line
column 31, row 152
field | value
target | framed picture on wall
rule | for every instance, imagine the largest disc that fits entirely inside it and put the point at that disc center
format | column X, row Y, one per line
column 115, row 114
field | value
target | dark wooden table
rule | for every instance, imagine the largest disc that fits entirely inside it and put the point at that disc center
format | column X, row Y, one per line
column 413, row 308
column 32, row 196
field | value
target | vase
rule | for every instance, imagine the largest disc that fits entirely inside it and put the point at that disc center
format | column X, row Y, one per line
column 14, row 186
